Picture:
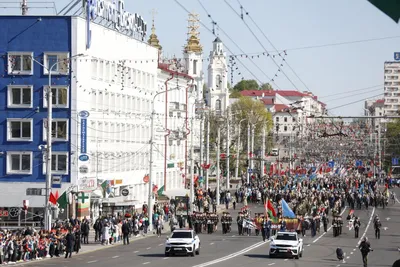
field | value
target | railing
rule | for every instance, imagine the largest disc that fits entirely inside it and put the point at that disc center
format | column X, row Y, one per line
column 22, row 224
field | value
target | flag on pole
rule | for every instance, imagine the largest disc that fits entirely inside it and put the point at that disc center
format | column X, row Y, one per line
column 270, row 210
column 52, row 199
column 63, row 200
column 286, row 210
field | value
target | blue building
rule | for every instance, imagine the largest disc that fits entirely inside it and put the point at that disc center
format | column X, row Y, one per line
column 29, row 45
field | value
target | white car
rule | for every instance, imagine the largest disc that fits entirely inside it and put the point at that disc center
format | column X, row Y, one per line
column 286, row 244
column 182, row 242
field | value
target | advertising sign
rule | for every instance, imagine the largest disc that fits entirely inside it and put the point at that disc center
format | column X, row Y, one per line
column 86, row 184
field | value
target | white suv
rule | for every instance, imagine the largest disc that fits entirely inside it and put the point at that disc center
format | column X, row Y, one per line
column 182, row 242
column 286, row 244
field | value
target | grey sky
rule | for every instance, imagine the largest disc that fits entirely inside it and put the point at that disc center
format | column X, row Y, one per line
column 288, row 24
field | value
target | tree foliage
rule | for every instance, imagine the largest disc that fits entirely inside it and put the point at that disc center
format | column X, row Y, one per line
column 246, row 85
column 392, row 141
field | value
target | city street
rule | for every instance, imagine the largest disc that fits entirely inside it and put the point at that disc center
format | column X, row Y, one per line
column 235, row 251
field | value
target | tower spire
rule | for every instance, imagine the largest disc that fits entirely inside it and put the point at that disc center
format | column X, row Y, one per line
column 193, row 42
column 153, row 39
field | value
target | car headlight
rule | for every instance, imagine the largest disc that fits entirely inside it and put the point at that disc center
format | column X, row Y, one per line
column 167, row 243
column 272, row 244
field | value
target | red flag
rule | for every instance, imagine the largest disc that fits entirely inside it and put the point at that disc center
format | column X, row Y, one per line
column 56, row 195
column 52, row 199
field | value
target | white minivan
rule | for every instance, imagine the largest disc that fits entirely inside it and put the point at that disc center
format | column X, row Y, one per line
column 274, row 152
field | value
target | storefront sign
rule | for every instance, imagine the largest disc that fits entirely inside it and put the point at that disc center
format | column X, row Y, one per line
column 84, row 115
column 87, row 184
column 114, row 12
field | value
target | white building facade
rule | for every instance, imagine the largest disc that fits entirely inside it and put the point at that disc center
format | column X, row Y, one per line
column 392, row 88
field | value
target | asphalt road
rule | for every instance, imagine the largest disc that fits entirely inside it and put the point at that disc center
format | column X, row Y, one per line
column 237, row 251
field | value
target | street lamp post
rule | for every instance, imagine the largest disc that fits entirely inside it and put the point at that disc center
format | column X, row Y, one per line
column 191, row 163
column 248, row 152
column 151, row 142
column 237, row 150
column 218, row 168
column 228, row 141
column 47, row 215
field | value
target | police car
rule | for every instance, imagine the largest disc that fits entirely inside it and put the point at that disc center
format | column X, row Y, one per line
column 286, row 244
column 184, row 242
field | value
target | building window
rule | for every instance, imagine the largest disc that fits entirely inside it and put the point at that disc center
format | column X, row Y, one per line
column 294, row 119
column 19, row 129
column 59, row 129
column 59, row 96
column 20, row 63
column 285, row 119
column 59, row 163
column 277, row 128
column 285, row 128
column 218, row 104
column 218, row 82
column 19, row 162
column 194, row 66
column 58, row 62
column 277, row 119
column 20, row 96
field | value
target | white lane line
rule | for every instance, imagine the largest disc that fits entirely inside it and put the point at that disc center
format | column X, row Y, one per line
column 318, row 238
column 285, row 260
column 160, row 245
column 308, row 245
column 136, row 251
column 166, row 258
column 233, row 236
column 115, row 257
column 366, row 228
column 148, row 248
column 211, row 243
column 92, row 261
column 147, row 262
column 271, row 263
column 352, row 253
column 354, row 249
column 233, row 255
column 348, row 257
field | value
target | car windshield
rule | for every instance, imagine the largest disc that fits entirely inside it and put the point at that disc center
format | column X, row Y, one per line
column 287, row 237
column 182, row 235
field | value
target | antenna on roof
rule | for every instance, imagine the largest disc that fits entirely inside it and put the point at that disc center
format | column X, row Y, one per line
column 24, row 7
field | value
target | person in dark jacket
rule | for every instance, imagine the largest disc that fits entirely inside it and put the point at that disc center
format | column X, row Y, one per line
column 85, row 228
column 365, row 248
column 125, row 232
column 77, row 244
column 69, row 243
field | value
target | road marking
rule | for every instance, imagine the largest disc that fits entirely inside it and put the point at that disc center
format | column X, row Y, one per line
column 148, row 248
column 147, row 262
column 92, row 261
column 352, row 253
column 115, row 257
column 308, row 245
column 354, row 249
column 285, row 260
column 385, row 228
column 166, row 258
column 233, row 255
column 366, row 228
column 388, row 218
column 271, row 264
column 233, row 236
column 211, row 243
column 136, row 251
column 223, row 239
column 160, row 245
column 348, row 257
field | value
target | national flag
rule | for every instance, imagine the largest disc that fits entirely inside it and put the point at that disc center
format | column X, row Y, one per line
column 270, row 210
column 286, row 210
column 106, row 185
column 62, row 201
column 390, row 7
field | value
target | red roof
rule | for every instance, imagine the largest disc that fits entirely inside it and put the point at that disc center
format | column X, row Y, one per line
column 322, row 103
column 257, row 93
column 267, row 101
column 291, row 93
column 281, row 108
column 380, row 101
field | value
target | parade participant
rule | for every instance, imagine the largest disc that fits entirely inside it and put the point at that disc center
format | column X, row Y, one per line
column 264, row 229
column 325, row 222
column 340, row 255
column 257, row 220
column 365, row 248
column 377, row 227
column 335, row 227
column 209, row 224
column 356, row 225
column 239, row 221
column 69, row 243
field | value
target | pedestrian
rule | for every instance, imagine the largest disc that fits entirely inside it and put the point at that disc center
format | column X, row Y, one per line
column 69, row 243
column 125, row 232
column 357, row 225
column 377, row 226
column 365, row 248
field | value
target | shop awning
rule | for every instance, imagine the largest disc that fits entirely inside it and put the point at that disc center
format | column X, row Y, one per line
column 179, row 192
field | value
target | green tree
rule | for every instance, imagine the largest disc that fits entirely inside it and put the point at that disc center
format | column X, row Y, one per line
column 235, row 94
column 266, row 86
column 392, row 140
column 246, row 85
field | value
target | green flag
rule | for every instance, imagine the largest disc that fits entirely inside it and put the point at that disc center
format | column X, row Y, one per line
column 160, row 191
column 62, row 201
column 390, row 7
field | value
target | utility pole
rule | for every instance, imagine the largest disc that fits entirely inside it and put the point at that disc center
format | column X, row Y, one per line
column 201, row 171
column 237, row 151
column 218, row 156
column 252, row 149
column 248, row 152
column 263, row 153
column 191, row 164
column 228, row 141
column 208, row 150
column 379, row 145
column 290, row 151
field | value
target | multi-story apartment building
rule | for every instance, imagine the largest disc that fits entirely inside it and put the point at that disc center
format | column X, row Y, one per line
column 392, row 88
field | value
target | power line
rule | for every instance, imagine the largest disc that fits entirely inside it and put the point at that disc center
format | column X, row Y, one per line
column 370, row 91
column 241, row 50
column 355, row 102
column 213, row 33
column 350, row 91
column 258, row 40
